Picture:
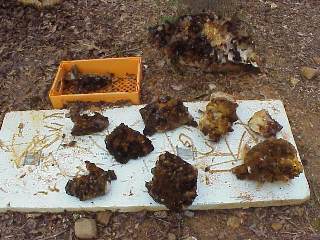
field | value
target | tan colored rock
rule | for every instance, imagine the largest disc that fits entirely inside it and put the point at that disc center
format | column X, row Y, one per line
column 309, row 73
column 276, row 226
column 85, row 228
column 103, row 217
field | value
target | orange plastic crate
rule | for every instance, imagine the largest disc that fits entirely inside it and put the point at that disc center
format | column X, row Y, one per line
column 121, row 90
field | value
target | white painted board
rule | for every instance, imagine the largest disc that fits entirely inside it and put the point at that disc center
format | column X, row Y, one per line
column 40, row 135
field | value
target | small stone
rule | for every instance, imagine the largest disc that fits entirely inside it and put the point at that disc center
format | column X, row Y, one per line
column 103, row 217
column 189, row 214
column 273, row 6
column 234, row 222
column 177, row 87
column 212, row 86
column 294, row 81
column 160, row 214
column 171, row 236
column 316, row 60
column 190, row 238
column 33, row 215
column 276, row 226
column 309, row 73
column 85, row 228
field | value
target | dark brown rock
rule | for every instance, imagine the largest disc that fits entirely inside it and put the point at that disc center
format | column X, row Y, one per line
column 270, row 160
column 92, row 185
column 164, row 114
column 85, row 124
column 174, row 182
column 125, row 143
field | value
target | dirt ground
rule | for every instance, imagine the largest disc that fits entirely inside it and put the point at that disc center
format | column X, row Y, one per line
column 287, row 37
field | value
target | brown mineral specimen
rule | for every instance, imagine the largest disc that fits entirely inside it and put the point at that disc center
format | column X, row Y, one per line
column 125, row 143
column 174, row 182
column 165, row 114
column 263, row 124
column 85, row 124
column 75, row 82
column 270, row 160
column 92, row 185
column 218, row 117
column 207, row 42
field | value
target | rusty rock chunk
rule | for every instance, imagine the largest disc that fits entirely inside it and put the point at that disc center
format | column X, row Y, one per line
column 269, row 161
column 218, row 117
column 104, row 217
column 92, row 185
column 165, row 114
column 125, row 143
column 85, row 124
column 174, row 182
column 263, row 124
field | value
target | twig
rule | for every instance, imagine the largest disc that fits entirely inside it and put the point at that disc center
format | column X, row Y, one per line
column 240, row 144
column 215, row 154
column 201, row 96
column 220, row 163
column 219, row 170
column 50, row 237
column 171, row 145
column 252, row 134
column 144, row 162
column 235, row 159
column 207, row 153
column 41, row 192
column 161, row 220
column 4, row 147
column 293, row 224
column 189, row 143
column 53, row 128
column 186, row 143
column 56, row 115
column 58, row 124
